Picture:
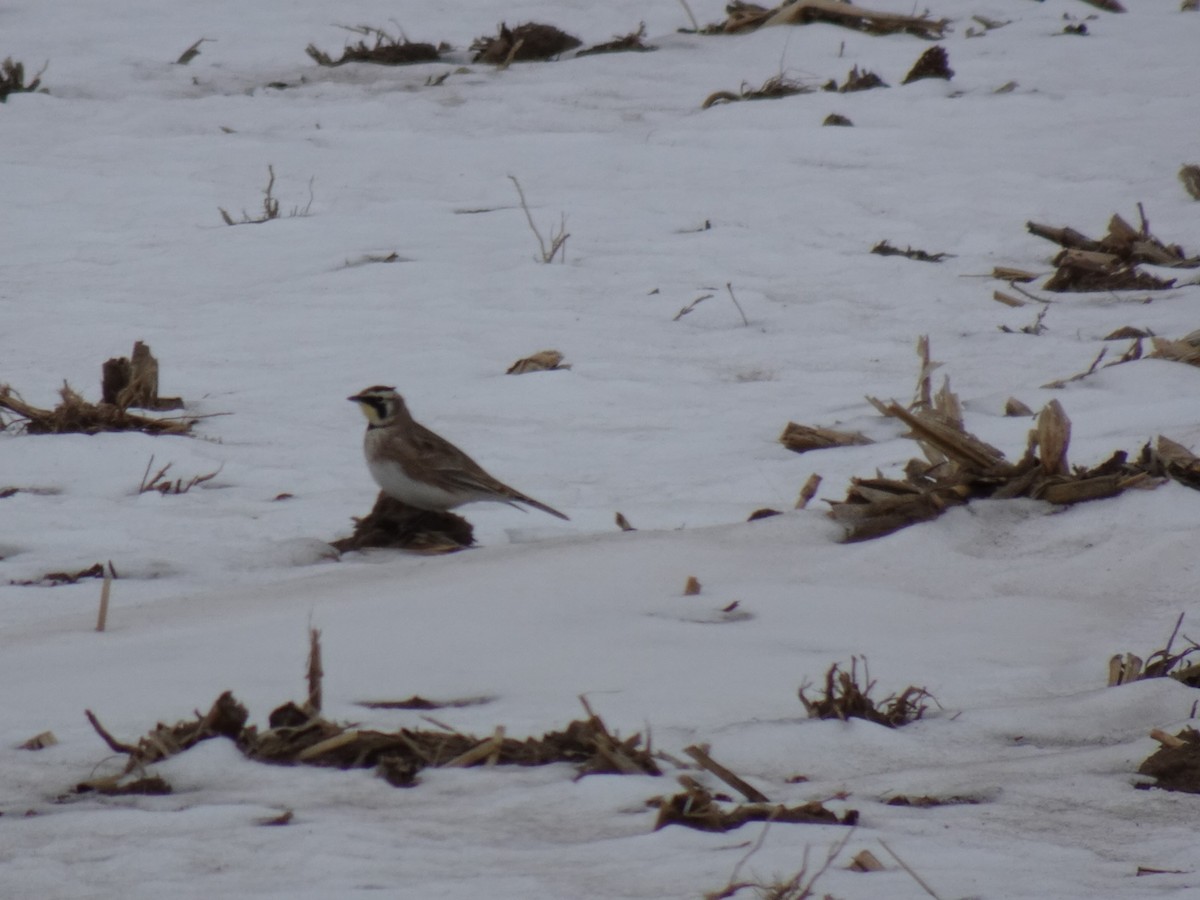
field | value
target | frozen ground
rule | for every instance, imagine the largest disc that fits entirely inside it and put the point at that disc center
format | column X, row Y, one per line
column 1007, row 612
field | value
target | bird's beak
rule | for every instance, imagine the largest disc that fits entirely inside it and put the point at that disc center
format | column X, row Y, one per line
column 356, row 398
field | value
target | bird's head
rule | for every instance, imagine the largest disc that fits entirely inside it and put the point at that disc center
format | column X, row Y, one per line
column 380, row 404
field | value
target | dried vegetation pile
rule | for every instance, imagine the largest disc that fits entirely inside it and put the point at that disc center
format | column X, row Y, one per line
column 299, row 735
column 845, row 698
column 386, row 50
column 959, row 467
column 530, row 42
column 12, row 79
column 125, row 382
column 772, row 89
column 634, row 42
column 76, row 415
column 698, row 807
column 1111, row 263
column 1162, row 663
column 391, row 524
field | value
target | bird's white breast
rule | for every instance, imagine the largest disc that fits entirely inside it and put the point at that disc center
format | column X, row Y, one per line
column 395, row 482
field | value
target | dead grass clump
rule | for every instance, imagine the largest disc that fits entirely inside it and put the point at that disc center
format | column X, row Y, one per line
column 772, row 89
column 632, row 42
column 845, row 698
column 1163, row 663
column 883, row 248
column 165, row 486
column 76, row 415
column 526, row 43
column 743, row 17
column 803, row 438
column 12, row 79
column 1082, row 273
column 856, row 80
column 391, row 524
column 387, row 50
column 54, row 579
column 933, row 63
column 697, row 807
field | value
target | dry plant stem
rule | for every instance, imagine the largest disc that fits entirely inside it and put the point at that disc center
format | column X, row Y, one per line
column 687, row 9
column 512, row 54
column 147, row 483
column 557, row 241
column 113, row 744
column 687, row 309
column 192, row 52
column 923, row 398
column 799, row 887
column 706, row 762
column 484, row 750
column 270, row 205
column 315, row 672
column 733, row 297
column 105, row 589
column 915, row 877
column 808, row 491
column 1167, row 740
column 755, row 847
column 1174, row 634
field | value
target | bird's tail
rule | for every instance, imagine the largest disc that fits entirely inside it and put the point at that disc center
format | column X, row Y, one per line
column 529, row 501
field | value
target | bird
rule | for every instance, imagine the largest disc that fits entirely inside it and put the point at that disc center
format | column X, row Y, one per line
column 420, row 468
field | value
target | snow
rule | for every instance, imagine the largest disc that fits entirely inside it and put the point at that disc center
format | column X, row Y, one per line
column 1007, row 611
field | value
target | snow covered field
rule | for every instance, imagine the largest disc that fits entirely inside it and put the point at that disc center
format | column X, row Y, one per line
column 1006, row 611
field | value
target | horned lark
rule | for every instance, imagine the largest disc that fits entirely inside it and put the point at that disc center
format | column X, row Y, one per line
column 420, row 468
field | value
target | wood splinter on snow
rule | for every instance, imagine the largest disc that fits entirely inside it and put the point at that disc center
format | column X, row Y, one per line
column 699, row 752
column 803, row 438
column 542, row 361
column 808, row 491
column 105, row 590
column 1167, row 740
column 866, row 861
column 39, row 741
column 315, row 672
